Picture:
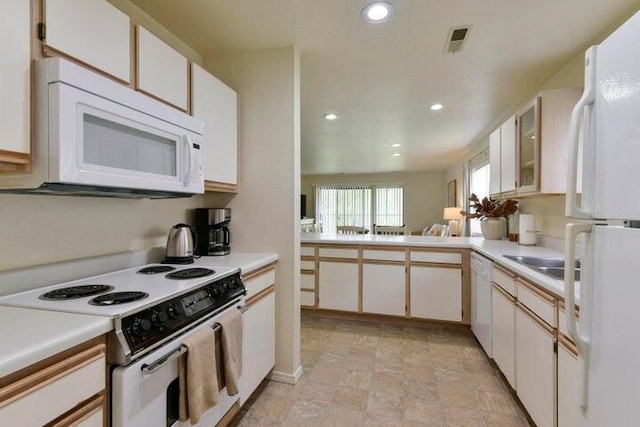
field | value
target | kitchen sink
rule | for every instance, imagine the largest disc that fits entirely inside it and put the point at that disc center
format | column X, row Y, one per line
column 552, row 267
column 531, row 261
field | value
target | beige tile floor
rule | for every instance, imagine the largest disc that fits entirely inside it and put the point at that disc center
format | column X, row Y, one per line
column 368, row 374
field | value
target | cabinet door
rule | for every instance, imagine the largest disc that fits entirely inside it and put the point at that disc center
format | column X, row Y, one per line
column 15, row 57
column 162, row 71
column 338, row 286
column 568, row 385
column 508, row 155
column 258, row 344
column 384, row 289
column 503, row 333
column 436, row 293
column 494, row 162
column 215, row 104
column 92, row 31
column 528, row 147
column 536, row 368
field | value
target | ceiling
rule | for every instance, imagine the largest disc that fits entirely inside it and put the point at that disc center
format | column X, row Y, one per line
column 381, row 79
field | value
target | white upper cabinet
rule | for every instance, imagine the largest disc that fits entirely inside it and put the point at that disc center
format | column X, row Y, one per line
column 502, row 158
column 216, row 105
column 15, row 57
column 162, row 71
column 92, row 31
column 508, row 155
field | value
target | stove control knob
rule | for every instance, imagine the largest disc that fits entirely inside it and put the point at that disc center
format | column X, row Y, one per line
column 172, row 311
column 158, row 318
column 141, row 327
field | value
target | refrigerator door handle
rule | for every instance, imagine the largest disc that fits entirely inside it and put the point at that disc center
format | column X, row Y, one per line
column 588, row 97
column 581, row 341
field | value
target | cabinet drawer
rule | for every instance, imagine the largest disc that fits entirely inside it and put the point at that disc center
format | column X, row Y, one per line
column 506, row 280
column 383, row 255
column 46, row 394
column 437, row 257
column 307, row 250
column 538, row 301
column 339, row 253
column 307, row 281
column 307, row 265
column 259, row 280
column 307, row 299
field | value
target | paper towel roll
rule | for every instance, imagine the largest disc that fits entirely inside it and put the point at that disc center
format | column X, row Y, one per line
column 527, row 230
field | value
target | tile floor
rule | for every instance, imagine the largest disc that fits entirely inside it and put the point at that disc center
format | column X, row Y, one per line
column 368, row 374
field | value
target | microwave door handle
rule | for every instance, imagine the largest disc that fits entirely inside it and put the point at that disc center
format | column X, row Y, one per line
column 186, row 154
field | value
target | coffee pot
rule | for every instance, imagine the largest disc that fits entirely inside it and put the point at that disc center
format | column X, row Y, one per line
column 180, row 244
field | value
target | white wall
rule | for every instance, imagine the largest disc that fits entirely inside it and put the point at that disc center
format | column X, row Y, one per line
column 266, row 210
column 43, row 229
column 424, row 195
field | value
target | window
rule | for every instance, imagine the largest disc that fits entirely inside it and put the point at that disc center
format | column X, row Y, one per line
column 479, row 184
column 359, row 205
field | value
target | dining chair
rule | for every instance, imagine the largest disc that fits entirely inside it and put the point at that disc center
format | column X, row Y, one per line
column 389, row 230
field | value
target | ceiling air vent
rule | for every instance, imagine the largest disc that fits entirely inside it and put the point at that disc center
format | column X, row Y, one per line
column 456, row 39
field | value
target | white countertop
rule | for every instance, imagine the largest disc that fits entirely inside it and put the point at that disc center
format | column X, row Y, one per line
column 29, row 336
column 245, row 261
column 493, row 249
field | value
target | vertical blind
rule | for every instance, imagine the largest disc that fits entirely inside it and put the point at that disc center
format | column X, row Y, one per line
column 358, row 205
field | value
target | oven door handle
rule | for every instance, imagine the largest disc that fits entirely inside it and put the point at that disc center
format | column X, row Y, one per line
column 148, row 369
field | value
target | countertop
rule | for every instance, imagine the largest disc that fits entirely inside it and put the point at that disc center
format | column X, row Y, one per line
column 29, row 336
column 492, row 249
column 246, row 261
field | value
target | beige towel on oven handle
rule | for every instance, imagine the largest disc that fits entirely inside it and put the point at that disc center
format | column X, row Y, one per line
column 197, row 375
column 232, row 349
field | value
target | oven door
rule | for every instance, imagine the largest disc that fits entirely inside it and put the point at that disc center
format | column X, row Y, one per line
column 150, row 397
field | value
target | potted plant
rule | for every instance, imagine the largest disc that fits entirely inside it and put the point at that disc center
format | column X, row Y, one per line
column 492, row 215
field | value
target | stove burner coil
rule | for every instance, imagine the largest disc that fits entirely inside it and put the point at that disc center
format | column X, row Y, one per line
column 190, row 273
column 75, row 292
column 155, row 269
column 115, row 298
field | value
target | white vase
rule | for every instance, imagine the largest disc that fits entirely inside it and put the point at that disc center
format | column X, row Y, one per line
column 493, row 228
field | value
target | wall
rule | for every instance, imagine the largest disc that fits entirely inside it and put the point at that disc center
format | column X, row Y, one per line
column 266, row 209
column 424, row 194
column 549, row 210
column 44, row 229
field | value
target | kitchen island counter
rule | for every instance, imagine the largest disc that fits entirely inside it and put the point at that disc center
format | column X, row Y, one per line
column 29, row 335
column 493, row 249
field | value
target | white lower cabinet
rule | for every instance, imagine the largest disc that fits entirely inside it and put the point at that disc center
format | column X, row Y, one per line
column 436, row 293
column 536, row 367
column 338, row 285
column 568, row 385
column 384, row 289
column 258, row 344
column 503, row 333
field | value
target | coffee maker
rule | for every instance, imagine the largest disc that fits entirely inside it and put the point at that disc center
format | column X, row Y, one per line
column 212, row 226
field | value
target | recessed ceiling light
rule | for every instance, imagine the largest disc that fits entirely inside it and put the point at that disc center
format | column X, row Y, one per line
column 436, row 107
column 377, row 12
column 396, row 154
column 330, row 116
column 395, row 145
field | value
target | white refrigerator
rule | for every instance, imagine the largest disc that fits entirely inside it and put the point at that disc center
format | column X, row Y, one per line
column 608, row 333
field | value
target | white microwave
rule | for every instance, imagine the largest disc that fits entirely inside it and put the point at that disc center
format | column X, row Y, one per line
column 93, row 136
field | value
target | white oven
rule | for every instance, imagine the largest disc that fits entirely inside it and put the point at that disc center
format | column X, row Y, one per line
column 145, row 392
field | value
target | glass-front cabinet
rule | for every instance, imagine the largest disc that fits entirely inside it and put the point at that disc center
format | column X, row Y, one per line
column 528, row 147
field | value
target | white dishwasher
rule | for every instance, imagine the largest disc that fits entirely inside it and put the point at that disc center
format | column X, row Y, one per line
column 481, row 286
